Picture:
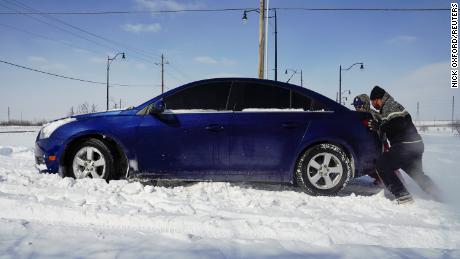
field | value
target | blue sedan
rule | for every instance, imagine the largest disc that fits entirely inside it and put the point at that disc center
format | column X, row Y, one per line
column 224, row 129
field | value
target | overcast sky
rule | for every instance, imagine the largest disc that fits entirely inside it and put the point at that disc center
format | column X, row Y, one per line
column 406, row 53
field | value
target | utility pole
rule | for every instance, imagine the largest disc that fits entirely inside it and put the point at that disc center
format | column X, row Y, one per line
column 453, row 105
column 162, row 64
column 262, row 39
column 339, row 97
column 418, row 113
column 162, row 73
column 301, row 78
column 109, row 61
column 267, row 4
column 276, row 46
column 120, row 103
column 9, row 116
column 107, row 95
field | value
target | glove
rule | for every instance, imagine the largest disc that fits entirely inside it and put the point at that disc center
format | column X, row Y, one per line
column 386, row 147
column 373, row 125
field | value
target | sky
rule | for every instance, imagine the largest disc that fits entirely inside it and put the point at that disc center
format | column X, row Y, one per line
column 406, row 53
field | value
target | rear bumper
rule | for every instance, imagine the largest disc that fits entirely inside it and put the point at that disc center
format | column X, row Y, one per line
column 368, row 155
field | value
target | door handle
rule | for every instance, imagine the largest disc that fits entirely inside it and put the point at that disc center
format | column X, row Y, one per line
column 214, row 127
column 289, row 125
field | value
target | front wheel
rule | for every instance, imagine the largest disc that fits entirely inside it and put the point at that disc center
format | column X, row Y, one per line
column 91, row 159
column 323, row 170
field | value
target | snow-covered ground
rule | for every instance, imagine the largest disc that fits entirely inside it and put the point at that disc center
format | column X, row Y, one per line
column 44, row 216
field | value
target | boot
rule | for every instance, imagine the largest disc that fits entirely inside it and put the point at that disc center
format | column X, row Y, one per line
column 404, row 197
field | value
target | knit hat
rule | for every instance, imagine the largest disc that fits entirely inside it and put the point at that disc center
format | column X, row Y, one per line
column 377, row 93
column 362, row 101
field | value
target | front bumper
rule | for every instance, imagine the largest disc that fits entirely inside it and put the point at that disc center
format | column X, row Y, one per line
column 41, row 168
column 43, row 150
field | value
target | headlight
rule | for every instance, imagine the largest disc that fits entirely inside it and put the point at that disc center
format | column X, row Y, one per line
column 49, row 128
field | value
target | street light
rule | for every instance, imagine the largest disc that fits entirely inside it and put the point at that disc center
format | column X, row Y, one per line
column 344, row 97
column 109, row 61
column 340, row 77
column 346, row 91
column 293, row 73
column 245, row 20
column 245, row 17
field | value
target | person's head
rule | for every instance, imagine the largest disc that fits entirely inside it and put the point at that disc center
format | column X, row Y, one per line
column 377, row 94
column 362, row 103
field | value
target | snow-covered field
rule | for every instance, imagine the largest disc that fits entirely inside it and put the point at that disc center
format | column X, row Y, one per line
column 44, row 216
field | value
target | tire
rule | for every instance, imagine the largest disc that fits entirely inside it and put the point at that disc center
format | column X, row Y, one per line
column 318, row 177
column 91, row 159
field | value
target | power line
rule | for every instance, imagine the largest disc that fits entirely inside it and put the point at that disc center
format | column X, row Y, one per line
column 18, row 3
column 132, row 12
column 44, row 37
column 365, row 9
column 62, row 29
column 141, row 54
column 173, row 76
column 176, row 69
column 70, row 77
column 232, row 9
column 179, row 72
column 66, row 43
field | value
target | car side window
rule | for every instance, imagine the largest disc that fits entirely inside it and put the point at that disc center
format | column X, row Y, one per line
column 248, row 95
column 300, row 101
column 200, row 97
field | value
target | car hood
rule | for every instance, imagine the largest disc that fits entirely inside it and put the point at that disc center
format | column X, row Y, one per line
column 98, row 114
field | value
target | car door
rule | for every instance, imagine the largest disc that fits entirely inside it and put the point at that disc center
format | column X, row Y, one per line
column 190, row 139
column 268, row 125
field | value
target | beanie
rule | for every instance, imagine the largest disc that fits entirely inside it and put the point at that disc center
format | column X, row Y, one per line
column 377, row 93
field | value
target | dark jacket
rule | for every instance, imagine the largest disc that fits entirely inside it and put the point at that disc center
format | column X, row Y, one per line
column 396, row 122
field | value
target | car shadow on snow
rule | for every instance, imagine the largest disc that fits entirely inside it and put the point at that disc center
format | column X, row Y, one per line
column 362, row 186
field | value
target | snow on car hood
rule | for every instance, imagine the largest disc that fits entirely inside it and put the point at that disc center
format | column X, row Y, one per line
column 98, row 114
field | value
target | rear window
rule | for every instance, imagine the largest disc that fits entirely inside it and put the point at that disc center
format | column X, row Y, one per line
column 251, row 96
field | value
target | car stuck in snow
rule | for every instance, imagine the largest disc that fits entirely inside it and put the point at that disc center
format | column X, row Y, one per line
column 223, row 129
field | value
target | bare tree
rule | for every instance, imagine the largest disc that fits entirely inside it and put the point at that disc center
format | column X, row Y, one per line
column 457, row 127
column 83, row 108
column 71, row 112
column 423, row 128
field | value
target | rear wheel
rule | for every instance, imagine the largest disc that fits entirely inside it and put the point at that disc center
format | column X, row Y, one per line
column 323, row 170
column 91, row 159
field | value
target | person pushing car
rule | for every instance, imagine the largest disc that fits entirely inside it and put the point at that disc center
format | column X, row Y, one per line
column 362, row 104
column 406, row 150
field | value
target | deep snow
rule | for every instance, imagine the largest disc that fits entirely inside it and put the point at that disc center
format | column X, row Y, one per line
column 46, row 216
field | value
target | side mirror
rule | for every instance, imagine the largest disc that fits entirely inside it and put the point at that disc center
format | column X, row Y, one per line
column 157, row 107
